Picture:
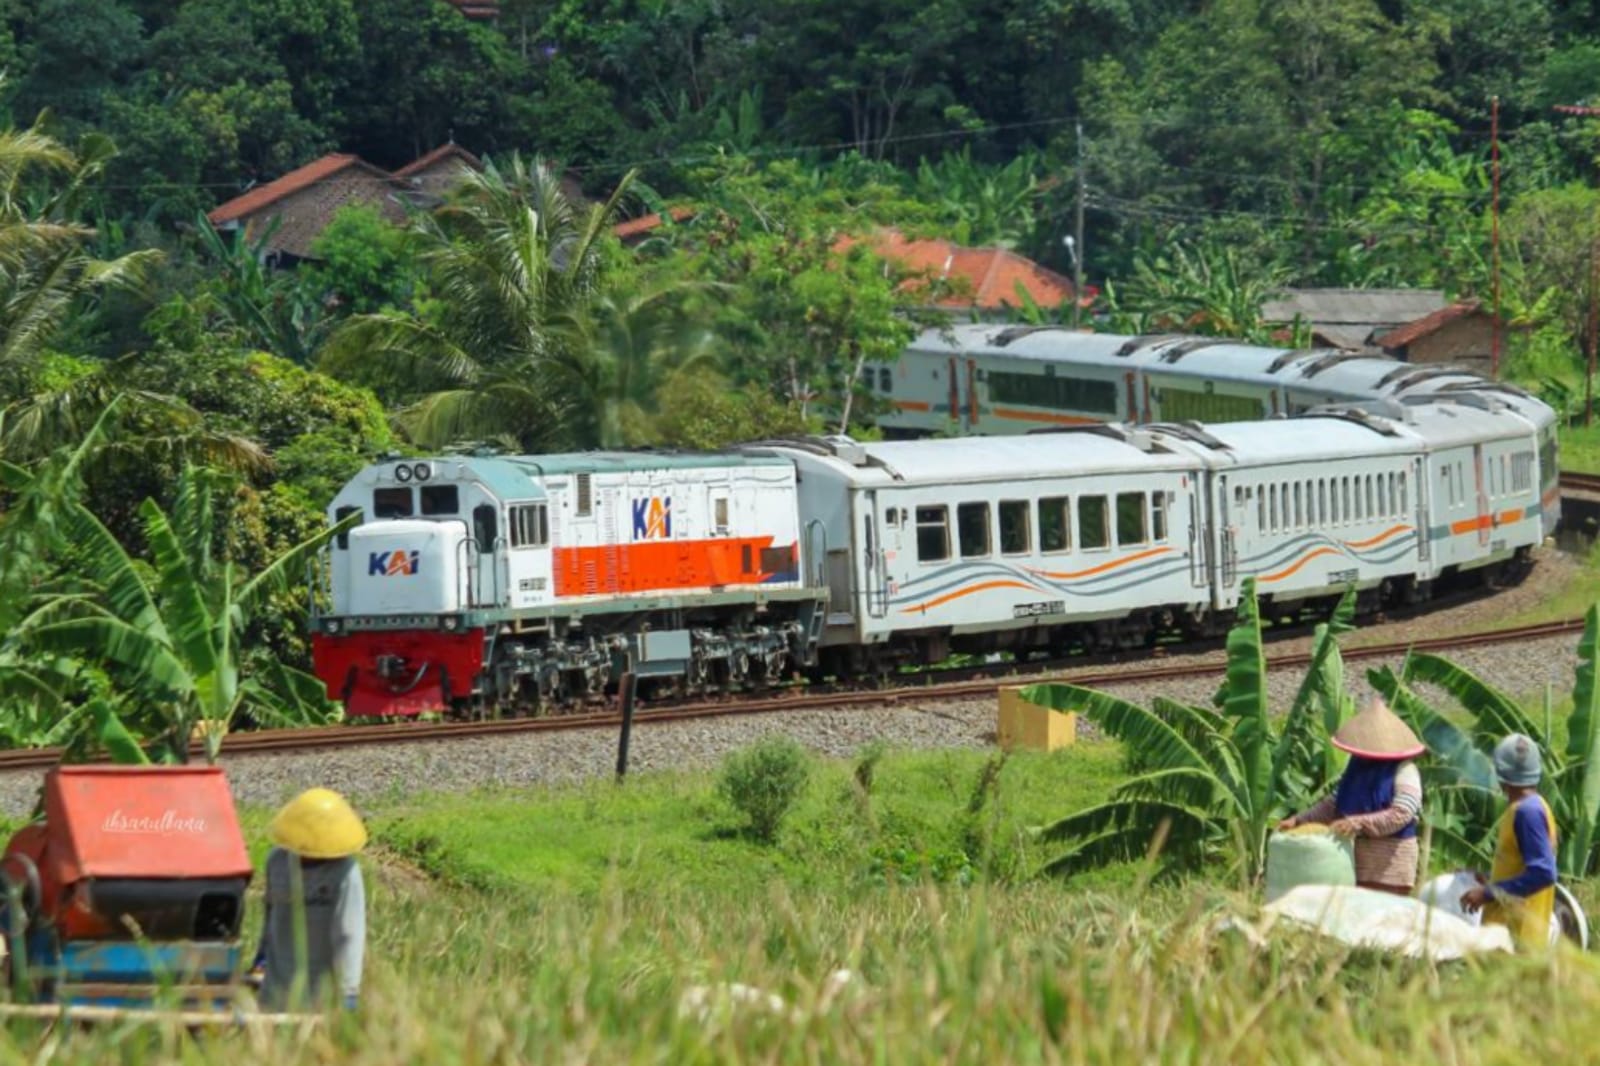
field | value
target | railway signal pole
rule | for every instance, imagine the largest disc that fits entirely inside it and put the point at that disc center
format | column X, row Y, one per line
column 1594, row 284
column 1077, row 239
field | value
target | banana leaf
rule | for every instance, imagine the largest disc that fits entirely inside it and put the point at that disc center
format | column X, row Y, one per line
column 1583, row 749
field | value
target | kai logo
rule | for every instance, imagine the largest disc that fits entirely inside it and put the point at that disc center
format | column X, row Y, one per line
column 652, row 518
column 391, row 564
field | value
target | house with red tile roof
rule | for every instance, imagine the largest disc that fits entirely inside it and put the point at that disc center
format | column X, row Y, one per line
column 636, row 230
column 985, row 281
column 304, row 201
column 435, row 173
column 1461, row 334
column 478, row 10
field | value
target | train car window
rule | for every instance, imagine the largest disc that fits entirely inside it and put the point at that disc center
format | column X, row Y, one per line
column 339, row 515
column 1402, row 492
column 1272, row 509
column 1015, row 536
column 485, row 526
column 1461, row 482
column 1345, row 507
column 1299, row 508
column 1055, row 524
column 440, row 499
column 1505, row 479
column 1333, row 501
column 885, row 380
column 1372, row 497
column 1158, row 515
column 1062, row 394
column 530, row 525
column 1261, row 509
column 1094, row 523
column 933, row 534
column 585, row 496
column 392, row 503
column 1522, row 472
column 1131, row 526
column 972, row 524
column 1322, row 501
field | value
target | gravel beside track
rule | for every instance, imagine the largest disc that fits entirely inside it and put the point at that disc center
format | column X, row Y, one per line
column 395, row 771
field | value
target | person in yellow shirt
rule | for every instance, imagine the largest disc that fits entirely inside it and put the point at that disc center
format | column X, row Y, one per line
column 1521, row 889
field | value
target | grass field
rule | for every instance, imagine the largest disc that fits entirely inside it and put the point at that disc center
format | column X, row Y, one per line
column 568, row 926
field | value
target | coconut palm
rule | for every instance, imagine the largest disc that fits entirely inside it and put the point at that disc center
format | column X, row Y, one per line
column 168, row 631
column 524, row 343
column 1209, row 781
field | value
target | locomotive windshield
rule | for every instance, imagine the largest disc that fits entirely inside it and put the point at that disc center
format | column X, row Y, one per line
column 391, row 503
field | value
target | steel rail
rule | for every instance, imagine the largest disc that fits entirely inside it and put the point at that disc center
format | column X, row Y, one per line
column 280, row 741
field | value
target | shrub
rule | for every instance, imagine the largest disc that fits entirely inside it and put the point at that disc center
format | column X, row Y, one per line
column 764, row 781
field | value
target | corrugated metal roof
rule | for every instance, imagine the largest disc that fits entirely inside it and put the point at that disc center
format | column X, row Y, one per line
column 613, row 462
column 1370, row 307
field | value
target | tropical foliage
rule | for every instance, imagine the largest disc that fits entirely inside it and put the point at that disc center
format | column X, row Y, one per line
column 1209, row 782
column 170, row 632
column 1460, row 789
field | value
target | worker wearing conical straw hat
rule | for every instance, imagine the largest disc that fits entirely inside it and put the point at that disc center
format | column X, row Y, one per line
column 1378, row 800
column 316, row 922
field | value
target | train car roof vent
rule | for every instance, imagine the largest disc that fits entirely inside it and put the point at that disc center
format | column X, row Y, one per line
column 1453, row 387
column 1193, row 432
column 1417, row 375
column 1016, row 333
column 1334, row 358
column 1178, row 351
column 846, row 450
column 1146, row 340
column 1295, row 355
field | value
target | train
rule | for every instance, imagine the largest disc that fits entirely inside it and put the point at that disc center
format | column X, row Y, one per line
column 486, row 584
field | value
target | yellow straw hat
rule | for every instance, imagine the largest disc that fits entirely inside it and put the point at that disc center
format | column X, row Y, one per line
column 1378, row 733
column 319, row 824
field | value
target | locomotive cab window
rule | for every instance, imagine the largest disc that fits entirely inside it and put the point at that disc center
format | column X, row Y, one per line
column 933, row 534
column 1094, row 523
column 391, row 503
column 1131, row 526
column 441, row 499
column 972, row 523
column 1055, row 524
column 485, row 526
column 339, row 515
column 1015, row 538
column 530, row 525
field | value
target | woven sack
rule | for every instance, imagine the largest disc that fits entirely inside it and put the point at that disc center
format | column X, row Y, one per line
column 1308, row 855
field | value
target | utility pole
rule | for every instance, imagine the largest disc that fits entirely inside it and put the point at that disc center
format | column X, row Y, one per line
column 1494, row 240
column 1077, row 246
column 1594, row 284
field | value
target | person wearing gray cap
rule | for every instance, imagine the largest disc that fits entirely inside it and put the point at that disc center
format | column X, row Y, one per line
column 1521, row 889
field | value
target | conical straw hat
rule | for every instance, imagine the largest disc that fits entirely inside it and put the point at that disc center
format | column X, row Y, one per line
column 1378, row 733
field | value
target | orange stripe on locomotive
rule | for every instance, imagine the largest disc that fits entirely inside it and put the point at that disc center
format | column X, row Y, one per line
column 662, row 565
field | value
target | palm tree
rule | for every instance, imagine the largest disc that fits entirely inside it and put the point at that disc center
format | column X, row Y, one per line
column 169, row 632
column 46, row 269
column 528, row 343
column 1209, row 781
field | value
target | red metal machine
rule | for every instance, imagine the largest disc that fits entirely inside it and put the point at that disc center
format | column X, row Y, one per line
column 134, row 883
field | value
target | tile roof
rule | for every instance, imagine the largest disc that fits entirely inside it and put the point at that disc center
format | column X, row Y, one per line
column 1414, row 331
column 439, row 155
column 296, row 180
column 636, row 227
column 991, row 276
column 477, row 9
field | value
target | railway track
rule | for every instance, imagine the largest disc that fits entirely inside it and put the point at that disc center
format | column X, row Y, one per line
column 1571, row 482
column 279, row 741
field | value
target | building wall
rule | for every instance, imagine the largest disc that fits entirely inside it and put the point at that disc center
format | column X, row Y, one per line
column 1466, row 342
column 306, row 213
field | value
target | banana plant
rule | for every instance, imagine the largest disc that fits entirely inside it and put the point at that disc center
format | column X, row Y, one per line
column 1209, row 780
column 168, row 631
column 1459, row 787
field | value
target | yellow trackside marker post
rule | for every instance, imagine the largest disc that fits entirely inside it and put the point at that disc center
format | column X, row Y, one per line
column 1029, row 727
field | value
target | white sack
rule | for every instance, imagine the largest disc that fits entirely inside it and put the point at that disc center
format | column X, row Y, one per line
column 1378, row 920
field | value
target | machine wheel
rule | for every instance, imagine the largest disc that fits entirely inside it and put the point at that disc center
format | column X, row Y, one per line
column 1569, row 919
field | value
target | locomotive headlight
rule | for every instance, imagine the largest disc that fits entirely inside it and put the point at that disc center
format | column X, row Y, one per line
column 423, row 471
column 331, row 625
column 402, row 473
column 451, row 623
